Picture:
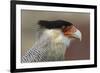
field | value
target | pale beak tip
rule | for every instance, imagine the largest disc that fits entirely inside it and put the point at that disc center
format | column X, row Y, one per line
column 78, row 35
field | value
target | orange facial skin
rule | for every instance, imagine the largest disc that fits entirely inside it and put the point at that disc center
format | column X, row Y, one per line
column 68, row 31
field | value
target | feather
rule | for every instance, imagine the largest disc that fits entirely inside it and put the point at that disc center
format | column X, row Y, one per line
column 37, row 52
column 47, row 48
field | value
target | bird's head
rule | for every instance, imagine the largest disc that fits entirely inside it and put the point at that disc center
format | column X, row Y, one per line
column 68, row 29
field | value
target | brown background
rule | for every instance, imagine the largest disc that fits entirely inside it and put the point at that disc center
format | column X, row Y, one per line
column 77, row 50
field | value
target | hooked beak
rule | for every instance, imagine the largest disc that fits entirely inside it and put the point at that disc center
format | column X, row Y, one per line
column 77, row 35
column 72, row 32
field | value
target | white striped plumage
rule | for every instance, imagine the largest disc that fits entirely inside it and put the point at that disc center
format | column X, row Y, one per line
column 50, row 47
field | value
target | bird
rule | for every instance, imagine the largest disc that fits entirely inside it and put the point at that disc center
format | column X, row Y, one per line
column 53, row 42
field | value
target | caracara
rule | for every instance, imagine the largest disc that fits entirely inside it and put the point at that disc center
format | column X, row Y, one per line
column 53, row 42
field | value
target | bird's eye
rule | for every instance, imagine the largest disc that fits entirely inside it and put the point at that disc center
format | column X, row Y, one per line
column 63, row 27
column 67, row 28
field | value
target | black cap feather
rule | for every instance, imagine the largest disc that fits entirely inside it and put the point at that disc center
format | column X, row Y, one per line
column 54, row 24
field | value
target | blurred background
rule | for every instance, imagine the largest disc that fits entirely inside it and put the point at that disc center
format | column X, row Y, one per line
column 76, row 51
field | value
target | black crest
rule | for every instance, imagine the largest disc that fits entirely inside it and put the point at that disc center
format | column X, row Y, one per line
column 54, row 24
